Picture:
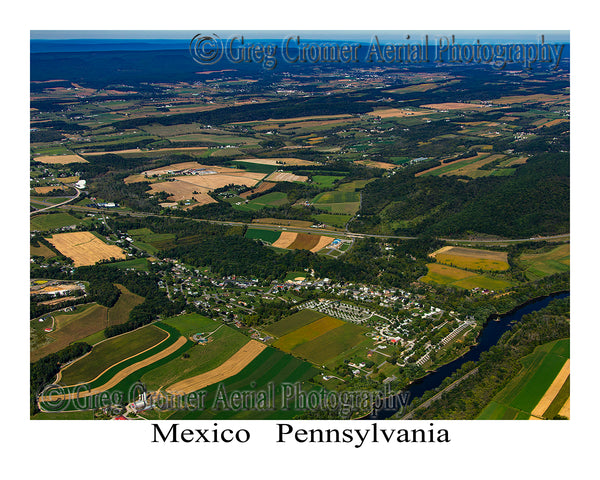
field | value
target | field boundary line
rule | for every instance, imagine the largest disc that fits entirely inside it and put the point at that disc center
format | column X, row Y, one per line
column 230, row 367
column 123, row 374
column 120, row 361
column 552, row 390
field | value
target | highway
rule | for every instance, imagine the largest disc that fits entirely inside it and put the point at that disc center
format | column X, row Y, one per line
column 75, row 197
column 323, row 231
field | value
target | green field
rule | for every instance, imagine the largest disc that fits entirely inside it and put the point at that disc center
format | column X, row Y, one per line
column 540, row 265
column 71, row 327
column 77, row 415
column 456, row 277
column 274, row 199
column 331, row 344
column 137, row 264
column 339, row 220
column 113, row 350
column 147, row 240
column 293, row 322
column 119, row 312
column 270, row 367
column 305, row 334
column 50, row 221
column 125, row 385
column 192, row 323
column 523, row 392
column 200, row 358
column 337, row 196
column 268, row 236
column 326, row 181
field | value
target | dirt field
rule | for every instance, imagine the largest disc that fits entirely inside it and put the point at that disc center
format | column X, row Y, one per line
column 277, row 161
column 219, row 180
column 56, row 300
column 286, row 177
column 302, row 241
column 278, row 221
column 554, row 388
column 127, row 371
column 180, row 190
column 48, row 189
column 84, row 248
column 396, row 112
column 323, row 242
column 263, row 187
column 60, row 159
column 230, row 367
column 285, row 239
column 370, row 163
column 455, row 106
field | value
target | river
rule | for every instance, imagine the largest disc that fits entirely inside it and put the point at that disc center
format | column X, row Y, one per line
column 488, row 337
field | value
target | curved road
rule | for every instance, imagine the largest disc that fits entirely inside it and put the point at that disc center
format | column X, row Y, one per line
column 58, row 204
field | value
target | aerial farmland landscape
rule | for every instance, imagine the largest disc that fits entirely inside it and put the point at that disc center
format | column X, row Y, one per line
column 231, row 241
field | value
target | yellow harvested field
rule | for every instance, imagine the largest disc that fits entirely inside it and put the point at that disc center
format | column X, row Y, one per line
column 125, row 372
column 472, row 169
column 232, row 366
column 396, row 112
column 219, row 180
column 285, row 239
column 553, row 390
column 371, row 163
column 517, row 161
column 471, row 258
column 285, row 177
column 455, row 106
column 323, row 242
column 72, row 179
column 48, row 189
column 60, row 159
column 277, row 161
column 85, row 248
column 565, row 411
column 539, row 97
column 553, row 122
column 179, row 190
column 445, row 163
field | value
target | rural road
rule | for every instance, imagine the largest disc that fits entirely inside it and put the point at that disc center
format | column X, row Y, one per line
column 58, row 204
column 322, row 231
